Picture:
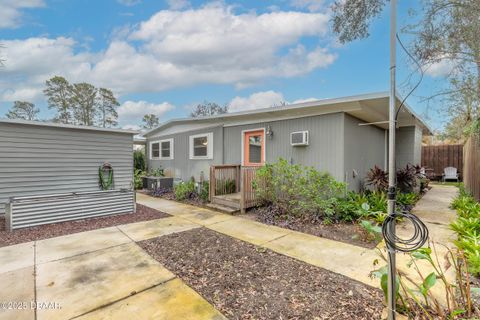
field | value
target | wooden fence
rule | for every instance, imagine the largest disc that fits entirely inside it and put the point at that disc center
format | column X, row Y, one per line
column 248, row 196
column 471, row 168
column 224, row 179
column 439, row 157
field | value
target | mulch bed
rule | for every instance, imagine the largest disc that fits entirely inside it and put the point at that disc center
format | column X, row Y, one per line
column 247, row 282
column 62, row 228
column 170, row 195
column 351, row 233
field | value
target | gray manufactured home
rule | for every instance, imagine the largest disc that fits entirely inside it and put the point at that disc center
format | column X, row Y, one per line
column 343, row 136
column 52, row 167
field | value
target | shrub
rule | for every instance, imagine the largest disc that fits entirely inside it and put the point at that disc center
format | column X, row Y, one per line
column 377, row 178
column 377, row 201
column 139, row 160
column 298, row 190
column 407, row 178
column 354, row 206
column 407, row 199
column 158, row 172
column 137, row 179
column 185, row 190
column 204, row 191
column 467, row 227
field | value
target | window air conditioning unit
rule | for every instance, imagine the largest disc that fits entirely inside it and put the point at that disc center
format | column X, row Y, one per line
column 299, row 138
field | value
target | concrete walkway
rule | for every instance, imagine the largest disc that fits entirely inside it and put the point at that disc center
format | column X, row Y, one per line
column 104, row 274
column 349, row 260
column 99, row 274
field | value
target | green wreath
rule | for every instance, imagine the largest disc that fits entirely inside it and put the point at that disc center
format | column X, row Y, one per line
column 105, row 182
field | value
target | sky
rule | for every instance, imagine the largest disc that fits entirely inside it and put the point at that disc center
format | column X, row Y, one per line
column 166, row 56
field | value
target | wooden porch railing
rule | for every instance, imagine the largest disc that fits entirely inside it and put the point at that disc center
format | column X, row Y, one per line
column 224, row 179
column 248, row 197
column 234, row 178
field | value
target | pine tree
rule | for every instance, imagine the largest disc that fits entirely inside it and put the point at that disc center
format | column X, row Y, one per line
column 107, row 104
column 150, row 121
column 84, row 103
column 23, row 110
column 59, row 94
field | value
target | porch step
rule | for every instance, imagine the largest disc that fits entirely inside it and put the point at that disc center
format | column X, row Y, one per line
column 228, row 200
column 221, row 208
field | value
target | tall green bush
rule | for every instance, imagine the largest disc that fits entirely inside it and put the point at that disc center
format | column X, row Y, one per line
column 139, row 160
column 298, row 190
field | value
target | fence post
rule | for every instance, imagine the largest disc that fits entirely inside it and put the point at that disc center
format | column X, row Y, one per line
column 242, row 190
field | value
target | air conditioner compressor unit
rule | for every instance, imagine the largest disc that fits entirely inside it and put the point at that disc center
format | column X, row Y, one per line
column 299, row 138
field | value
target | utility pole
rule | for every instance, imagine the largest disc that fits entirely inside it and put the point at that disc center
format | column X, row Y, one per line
column 391, row 162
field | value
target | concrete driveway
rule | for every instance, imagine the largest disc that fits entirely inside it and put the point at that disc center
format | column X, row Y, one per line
column 99, row 274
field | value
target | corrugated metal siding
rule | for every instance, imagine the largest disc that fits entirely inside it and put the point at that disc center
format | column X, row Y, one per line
column 33, row 211
column 37, row 160
column 181, row 165
column 324, row 152
column 364, row 148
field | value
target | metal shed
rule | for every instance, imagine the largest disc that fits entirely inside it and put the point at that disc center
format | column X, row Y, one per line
column 50, row 172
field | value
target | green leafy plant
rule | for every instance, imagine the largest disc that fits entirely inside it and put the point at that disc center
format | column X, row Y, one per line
column 377, row 201
column 298, row 190
column 467, row 228
column 374, row 232
column 139, row 160
column 415, row 297
column 204, row 193
column 185, row 190
column 158, row 172
column 137, row 179
column 105, row 179
column 407, row 199
column 225, row 186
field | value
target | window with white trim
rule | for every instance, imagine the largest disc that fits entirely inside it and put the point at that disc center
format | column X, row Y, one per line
column 161, row 150
column 201, row 146
column 154, row 150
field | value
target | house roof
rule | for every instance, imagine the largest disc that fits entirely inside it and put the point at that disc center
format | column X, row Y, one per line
column 371, row 108
column 65, row 126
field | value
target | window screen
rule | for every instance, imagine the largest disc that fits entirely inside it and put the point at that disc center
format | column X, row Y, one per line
column 200, row 146
column 155, row 150
column 166, row 149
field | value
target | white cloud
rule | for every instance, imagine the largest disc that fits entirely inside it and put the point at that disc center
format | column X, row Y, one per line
column 304, row 100
column 29, row 63
column 263, row 99
column 172, row 49
column 11, row 11
column 441, row 68
column 133, row 111
column 178, row 4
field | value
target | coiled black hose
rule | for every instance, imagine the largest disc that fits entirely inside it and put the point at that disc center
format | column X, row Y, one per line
column 393, row 241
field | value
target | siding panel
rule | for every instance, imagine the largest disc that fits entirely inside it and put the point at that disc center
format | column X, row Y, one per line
column 364, row 148
column 408, row 146
column 37, row 160
column 181, row 166
column 324, row 152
